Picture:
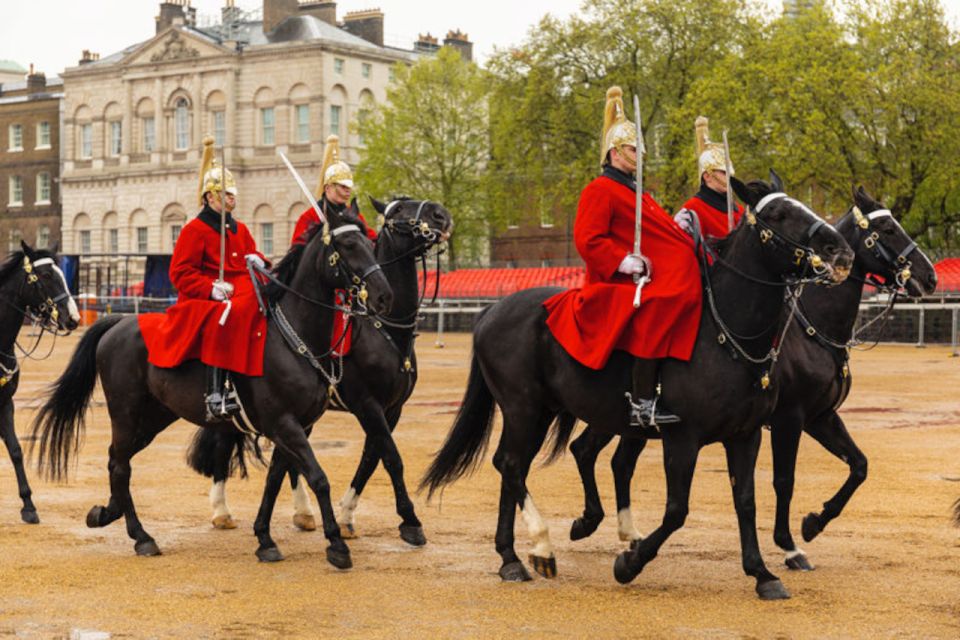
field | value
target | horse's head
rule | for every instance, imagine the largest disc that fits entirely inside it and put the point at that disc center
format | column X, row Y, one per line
column 797, row 241
column 44, row 289
column 884, row 249
column 413, row 226
column 348, row 261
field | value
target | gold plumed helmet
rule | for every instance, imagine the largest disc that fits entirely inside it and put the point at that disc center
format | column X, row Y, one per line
column 617, row 130
column 710, row 155
column 334, row 170
column 210, row 173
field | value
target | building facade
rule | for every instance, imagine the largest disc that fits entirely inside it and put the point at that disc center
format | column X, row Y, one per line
column 277, row 82
column 30, row 162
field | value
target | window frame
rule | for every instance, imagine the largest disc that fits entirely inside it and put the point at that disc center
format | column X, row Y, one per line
column 10, row 133
column 115, row 141
column 18, row 181
column 338, row 110
column 264, row 127
column 44, row 133
column 181, row 124
column 149, row 127
column 40, row 200
column 86, row 141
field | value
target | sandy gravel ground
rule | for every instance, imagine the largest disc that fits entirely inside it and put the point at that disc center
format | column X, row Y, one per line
column 889, row 567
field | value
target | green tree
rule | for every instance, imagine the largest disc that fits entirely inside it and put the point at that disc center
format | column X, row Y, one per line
column 430, row 141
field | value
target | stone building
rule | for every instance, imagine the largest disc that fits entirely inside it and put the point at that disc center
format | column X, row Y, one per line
column 30, row 161
column 280, row 80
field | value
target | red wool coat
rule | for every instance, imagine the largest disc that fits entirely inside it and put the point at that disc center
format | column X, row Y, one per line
column 309, row 218
column 191, row 329
column 713, row 221
column 593, row 321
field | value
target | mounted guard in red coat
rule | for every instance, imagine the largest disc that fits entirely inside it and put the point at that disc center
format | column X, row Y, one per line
column 216, row 318
column 711, row 202
column 593, row 321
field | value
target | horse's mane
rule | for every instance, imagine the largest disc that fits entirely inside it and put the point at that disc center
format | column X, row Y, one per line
column 15, row 261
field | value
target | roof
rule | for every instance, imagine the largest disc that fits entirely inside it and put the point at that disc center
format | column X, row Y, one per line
column 10, row 66
column 496, row 283
column 948, row 275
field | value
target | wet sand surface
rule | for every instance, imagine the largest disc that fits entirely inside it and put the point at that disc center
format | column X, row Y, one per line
column 889, row 567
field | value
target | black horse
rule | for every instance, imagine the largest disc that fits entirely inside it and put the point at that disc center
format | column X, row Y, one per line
column 378, row 376
column 143, row 400
column 31, row 286
column 814, row 380
column 518, row 365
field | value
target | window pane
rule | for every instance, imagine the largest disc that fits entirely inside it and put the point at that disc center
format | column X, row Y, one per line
column 16, row 190
column 85, row 241
column 366, row 70
column 335, row 119
column 116, row 133
column 338, row 65
column 266, row 120
column 43, row 134
column 175, row 234
column 13, row 243
column 219, row 128
column 16, row 137
column 149, row 135
column 303, row 123
column 141, row 239
column 113, row 241
column 266, row 238
column 43, row 187
column 86, row 140
column 43, row 238
column 182, row 125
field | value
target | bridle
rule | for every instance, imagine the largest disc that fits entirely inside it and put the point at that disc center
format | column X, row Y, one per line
column 897, row 262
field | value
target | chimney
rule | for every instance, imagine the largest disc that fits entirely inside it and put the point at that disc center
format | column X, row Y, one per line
column 426, row 44
column 230, row 13
column 276, row 11
column 461, row 43
column 171, row 10
column 367, row 24
column 36, row 81
column 88, row 57
column 320, row 9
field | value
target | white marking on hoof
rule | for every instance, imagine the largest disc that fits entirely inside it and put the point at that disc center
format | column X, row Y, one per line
column 537, row 528
column 348, row 504
column 301, row 499
column 218, row 500
column 793, row 554
column 625, row 528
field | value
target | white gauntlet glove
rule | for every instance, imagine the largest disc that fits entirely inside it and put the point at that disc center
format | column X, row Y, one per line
column 634, row 264
column 255, row 259
column 221, row 291
column 684, row 218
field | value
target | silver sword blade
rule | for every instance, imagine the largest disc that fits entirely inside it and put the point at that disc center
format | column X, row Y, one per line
column 303, row 187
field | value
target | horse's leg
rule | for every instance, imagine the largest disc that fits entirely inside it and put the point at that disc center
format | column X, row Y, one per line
column 302, row 512
column 218, row 492
column 785, row 441
column 133, row 429
column 267, row 550
column 680, row 450
column 518, row 447
column 290, row 437
column 741, row 463
column 378, row 431
column 9, row 434
column 585, row 450
column 830, row 432
column 624, row 463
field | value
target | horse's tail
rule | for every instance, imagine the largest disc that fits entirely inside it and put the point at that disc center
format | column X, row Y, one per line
column 469, row 436
column 61, row 419
column 202, row 454
column 560, row 436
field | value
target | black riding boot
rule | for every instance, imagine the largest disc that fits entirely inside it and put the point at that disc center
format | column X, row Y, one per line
column 220, row 399
column 644, row 411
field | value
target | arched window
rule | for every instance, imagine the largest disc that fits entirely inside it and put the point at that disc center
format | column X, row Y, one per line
column 173, row 219
column 146, row 125
column 139, row 232
column 181, row 124
column 81, row 227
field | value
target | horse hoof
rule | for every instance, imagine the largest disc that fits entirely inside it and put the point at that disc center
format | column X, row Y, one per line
column 347, row 532
column 811, row 527
column 799, row 562
column 147, row 548
column 29, row 516
column 269, row 554
column 635, row 543
column 514, row 572
column 582, row 528
column 546, row 567
column 339, row 557
column 224, row 522
column 304, row 522
column 413, row 535
column 94, row 517
column 772, row 590
column 621, row 569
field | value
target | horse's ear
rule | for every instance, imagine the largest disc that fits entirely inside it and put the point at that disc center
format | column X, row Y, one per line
column 775, row 181
column 379, row 206
column 27, row 249
column 745, row 193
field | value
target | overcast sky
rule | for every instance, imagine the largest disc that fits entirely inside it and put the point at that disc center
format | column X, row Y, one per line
column 52, row 33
